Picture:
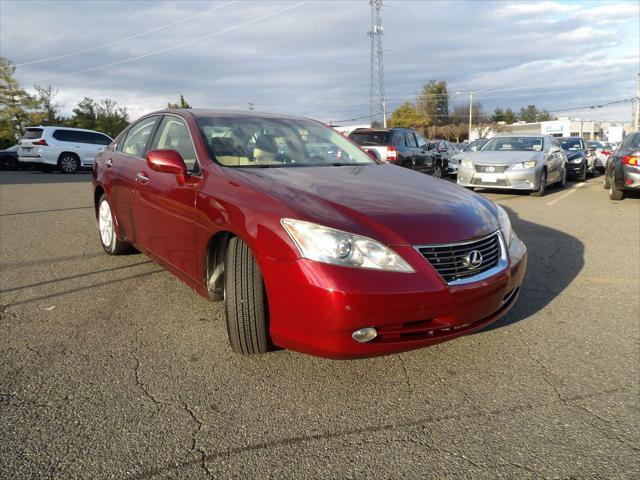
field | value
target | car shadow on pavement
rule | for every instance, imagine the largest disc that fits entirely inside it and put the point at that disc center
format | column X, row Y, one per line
column 27, row 177
column 554, row 260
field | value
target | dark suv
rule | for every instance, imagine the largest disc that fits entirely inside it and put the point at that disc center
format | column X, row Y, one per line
column 400, row 146
column 581, row 159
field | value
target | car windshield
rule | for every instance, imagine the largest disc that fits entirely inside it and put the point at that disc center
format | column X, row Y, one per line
column 571, row 144
column 473, row 146
column 370, row 138
column 263, row 142
column 517, row 144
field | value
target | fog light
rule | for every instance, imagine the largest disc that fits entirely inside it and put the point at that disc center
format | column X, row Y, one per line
column 364, row 335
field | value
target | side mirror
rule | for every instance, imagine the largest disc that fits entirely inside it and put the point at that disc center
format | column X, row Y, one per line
column 555, row 149
column 167, row 161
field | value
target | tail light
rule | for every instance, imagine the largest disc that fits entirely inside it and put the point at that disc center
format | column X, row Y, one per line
column 392, row 153
column 339, row 154
column 606, row 152
column 633, row 159
column 40, row 142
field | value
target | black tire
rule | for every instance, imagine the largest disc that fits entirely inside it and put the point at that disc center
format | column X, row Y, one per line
column 245, row 301
column 583, row 175
column 437, row 171
column 113, row 245
column 563, row 179
column 542, row 186
column 595, row 171
column 614, row 192
column 7, row 162
column 68, row 163
column 606, row 184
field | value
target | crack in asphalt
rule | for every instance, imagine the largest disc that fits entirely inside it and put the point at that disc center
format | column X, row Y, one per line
column 291, row 441
column 406, row 373
column 609, row 428
column 143, row 386
column 194, row 440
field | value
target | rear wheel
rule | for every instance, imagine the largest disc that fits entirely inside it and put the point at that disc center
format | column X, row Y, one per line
column 437, row 171
column 563, row 178
column 542, row 185
column 607, row 182
column 583, row 174
column 245, row 300
column 106, row 225
column 614, row 192
column 69, row 163
column 8, row 162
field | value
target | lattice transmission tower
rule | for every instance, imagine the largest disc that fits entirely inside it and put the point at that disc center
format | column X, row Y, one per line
column 378, row 102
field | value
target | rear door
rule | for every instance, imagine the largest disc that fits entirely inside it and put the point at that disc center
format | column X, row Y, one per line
column 123, row 164
column 164, row 209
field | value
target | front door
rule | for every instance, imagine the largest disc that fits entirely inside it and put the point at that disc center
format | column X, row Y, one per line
column 165, row 205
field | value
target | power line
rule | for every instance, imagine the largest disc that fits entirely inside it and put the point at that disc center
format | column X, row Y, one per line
column 184, row 44
column 122, row 40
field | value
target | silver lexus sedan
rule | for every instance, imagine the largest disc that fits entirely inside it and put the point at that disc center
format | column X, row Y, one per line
column 520, row 162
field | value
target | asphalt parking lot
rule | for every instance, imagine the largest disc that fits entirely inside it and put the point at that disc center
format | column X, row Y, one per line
column 111, row 368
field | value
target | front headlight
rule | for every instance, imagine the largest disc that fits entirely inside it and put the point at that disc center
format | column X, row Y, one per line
column 523, row 165
column 466, row 164
column 505, row 225
column 576, row 160
column 328, row 245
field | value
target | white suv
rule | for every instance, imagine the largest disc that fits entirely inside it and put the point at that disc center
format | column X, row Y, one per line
column 62, row 148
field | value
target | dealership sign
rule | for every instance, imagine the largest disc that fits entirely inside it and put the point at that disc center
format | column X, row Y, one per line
column 553, row 127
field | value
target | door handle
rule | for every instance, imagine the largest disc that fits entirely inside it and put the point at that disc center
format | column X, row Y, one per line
column 109, row 163
column 142, row 178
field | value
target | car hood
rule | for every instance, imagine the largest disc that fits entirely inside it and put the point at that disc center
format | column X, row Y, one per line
column 392, row 204
column 574, row 154
column 502, row 158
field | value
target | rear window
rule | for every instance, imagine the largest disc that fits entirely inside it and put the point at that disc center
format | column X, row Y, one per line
column 370, row 138
column 32, row 133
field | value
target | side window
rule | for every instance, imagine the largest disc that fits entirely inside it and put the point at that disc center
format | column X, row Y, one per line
column 174, row 135
column 100, row 139
column 137, row 137
column 62, row 135
column 422, row 143
column 410, row 139
column 83, row 137
column 398, row 139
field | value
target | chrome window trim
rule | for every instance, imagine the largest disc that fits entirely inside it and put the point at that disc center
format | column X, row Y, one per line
column 503, row 260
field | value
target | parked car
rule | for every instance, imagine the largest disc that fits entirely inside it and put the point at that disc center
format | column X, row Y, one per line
column 61, row 148
column 444, row 148
column 581, row 158
column 9, row 158
column 622, row 172
column 602, row 150
column 454, row 162
column 341, row 260
column 519, row 162
column 400, row 146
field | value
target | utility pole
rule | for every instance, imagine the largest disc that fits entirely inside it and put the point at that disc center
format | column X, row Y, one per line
column 470, row 113
column 377, row 98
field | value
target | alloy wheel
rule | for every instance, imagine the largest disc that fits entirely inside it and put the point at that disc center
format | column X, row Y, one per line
column 68, row 164
column 105, row 224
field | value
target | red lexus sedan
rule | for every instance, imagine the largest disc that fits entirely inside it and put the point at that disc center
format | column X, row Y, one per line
column 312, row 244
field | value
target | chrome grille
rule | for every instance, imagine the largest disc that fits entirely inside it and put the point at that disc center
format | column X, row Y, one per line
column 451, row 260
column 491, row 168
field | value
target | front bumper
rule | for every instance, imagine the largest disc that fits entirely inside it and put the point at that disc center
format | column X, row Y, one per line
column 576, row 169
column 314, row 308
column 525, row 179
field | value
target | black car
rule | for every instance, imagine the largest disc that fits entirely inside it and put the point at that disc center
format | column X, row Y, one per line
column 401, row 146
column 9, row 158
column 622, row 172
column 581, row 159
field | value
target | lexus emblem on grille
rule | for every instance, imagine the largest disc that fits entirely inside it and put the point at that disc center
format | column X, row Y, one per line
column 473, row 259
column 489, row 169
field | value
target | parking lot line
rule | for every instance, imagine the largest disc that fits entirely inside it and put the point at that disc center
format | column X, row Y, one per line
column 566, row 194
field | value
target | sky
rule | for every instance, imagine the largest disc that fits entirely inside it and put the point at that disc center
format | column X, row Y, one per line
column 312, row 57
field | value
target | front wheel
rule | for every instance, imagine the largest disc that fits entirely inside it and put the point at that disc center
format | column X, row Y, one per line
column 542, row 185
column 563, row 179
column 108, row 237
column 245, row 301
column 437, row 171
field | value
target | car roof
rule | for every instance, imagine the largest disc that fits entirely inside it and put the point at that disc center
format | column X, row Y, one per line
column 379, row 130
column 514, row 134
column 56, row 127
column 210, row 112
